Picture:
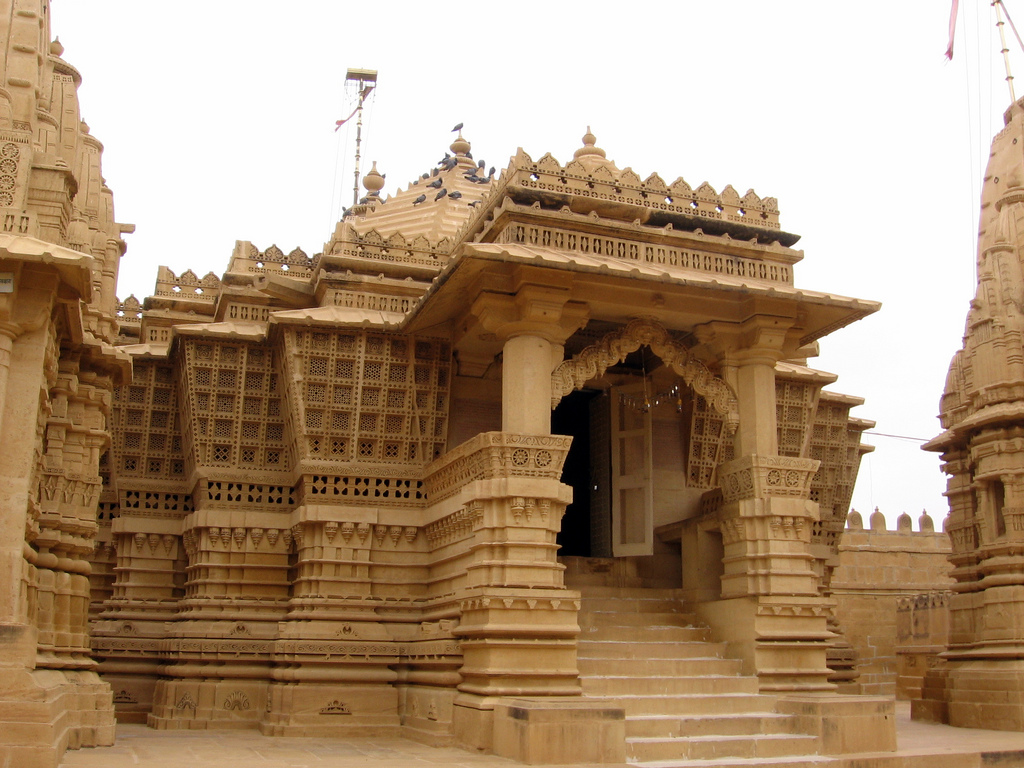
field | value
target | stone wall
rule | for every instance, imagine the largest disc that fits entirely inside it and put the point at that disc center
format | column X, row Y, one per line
column 891, row 591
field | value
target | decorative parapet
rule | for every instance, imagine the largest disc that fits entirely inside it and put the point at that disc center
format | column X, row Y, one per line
column 904, row 525
column 129, row 311
column 607, row 183
column 187, row 285
column 496, row 454
column 751, row 477
column 593, row 361
column 248, row 259
column 417, row 253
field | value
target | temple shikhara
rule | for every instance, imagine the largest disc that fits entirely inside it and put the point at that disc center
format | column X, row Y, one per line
column 529, row 459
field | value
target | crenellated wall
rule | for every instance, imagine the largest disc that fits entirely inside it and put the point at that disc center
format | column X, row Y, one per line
column 891, row 590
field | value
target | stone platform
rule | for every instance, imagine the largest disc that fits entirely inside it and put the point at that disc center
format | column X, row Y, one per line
column 921, row 745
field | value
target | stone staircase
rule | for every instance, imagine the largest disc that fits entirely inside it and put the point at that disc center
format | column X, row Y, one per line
column 685, row 704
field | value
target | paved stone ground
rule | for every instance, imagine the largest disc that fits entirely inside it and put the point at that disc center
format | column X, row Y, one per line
column 140, row 747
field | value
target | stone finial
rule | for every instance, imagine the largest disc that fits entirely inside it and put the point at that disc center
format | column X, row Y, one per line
column 904, row 524
column 373, row 181
column 56, row 49
column 854, row 521
column 945, row 524
column 589, row 148
column 878, row 521
column 925, row 522
column 460, row 146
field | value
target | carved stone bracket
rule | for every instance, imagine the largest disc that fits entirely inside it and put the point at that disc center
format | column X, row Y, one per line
column 752, row 477
column 592, row 362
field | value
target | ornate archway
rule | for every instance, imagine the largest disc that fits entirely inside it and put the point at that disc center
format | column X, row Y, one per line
column 593, row 361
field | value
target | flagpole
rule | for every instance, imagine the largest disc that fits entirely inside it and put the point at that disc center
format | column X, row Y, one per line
column 998, row 5
column 362, row 76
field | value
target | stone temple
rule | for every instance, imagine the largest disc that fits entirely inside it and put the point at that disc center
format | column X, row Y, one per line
column 527, row 460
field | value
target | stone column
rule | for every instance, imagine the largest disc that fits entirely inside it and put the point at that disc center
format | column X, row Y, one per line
column 770, row 607
column 518, row 622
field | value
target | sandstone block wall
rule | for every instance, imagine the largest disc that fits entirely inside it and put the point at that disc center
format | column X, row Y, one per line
column 891, row 592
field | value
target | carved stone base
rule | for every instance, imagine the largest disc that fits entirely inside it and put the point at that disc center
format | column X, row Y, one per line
column 986, row 694
column 309, row 709
column 426, row 713
column 45, row 712
column 518, row 642
column 781, row 640
column 197, row 703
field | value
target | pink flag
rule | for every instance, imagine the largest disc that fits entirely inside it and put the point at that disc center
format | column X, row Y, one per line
column 952, row 28
column 340, row 123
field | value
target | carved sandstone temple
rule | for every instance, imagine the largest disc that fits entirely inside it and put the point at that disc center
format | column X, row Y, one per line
column 335, row 500
column 981, row 680
column 59, row 251
column 448, row 478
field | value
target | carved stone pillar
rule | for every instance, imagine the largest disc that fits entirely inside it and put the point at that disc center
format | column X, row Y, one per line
column 771, row 607
column 518, row 624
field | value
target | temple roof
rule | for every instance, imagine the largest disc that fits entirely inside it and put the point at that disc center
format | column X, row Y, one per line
column 437, row 205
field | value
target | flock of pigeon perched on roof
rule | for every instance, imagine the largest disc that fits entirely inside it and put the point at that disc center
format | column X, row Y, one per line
column 448, row 163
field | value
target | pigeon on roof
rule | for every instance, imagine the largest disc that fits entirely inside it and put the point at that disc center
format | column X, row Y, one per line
column 457, row 128
column 441, row 194
column 491, row 172
column 436, row 183
column 455, row 195
column 481, row 164
column 474, row 204
column 419, row 199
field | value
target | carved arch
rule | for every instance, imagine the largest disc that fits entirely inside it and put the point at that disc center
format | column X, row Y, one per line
column 592, row 362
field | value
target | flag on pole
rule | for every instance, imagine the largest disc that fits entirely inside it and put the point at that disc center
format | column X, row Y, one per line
column 362, row 96
column 952, row 28
column 339, row 123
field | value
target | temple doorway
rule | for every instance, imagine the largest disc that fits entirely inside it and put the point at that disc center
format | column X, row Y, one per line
column 586, row 524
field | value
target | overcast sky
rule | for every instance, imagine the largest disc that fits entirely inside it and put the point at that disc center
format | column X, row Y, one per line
column 218, row 115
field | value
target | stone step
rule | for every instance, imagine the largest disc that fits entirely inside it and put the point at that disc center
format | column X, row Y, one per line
column 644, row 634
column 696, row 704
column 719, row 747
column 632, row 605
column 652, row 665
column 667, row 686
column 627, row 593
column 789, row 761
column 638, row 619
column 661, row 649
column 743, row 724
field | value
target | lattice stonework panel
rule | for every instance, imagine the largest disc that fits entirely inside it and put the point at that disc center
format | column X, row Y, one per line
column 236, row 418
column 794, row 407
column 835, row 445
column 707, row 435
column 368, row 398
column 145, row 425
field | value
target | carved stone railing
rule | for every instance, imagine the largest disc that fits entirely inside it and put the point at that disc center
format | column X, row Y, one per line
column 496, row 454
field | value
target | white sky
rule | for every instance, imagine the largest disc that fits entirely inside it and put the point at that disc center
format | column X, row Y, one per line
column 218, row 115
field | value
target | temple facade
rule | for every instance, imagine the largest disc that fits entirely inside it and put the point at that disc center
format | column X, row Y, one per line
column 343, row 489
column 435, row 480
column 981, row 680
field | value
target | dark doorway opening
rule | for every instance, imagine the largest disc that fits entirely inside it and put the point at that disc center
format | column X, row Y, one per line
column 572, row 417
